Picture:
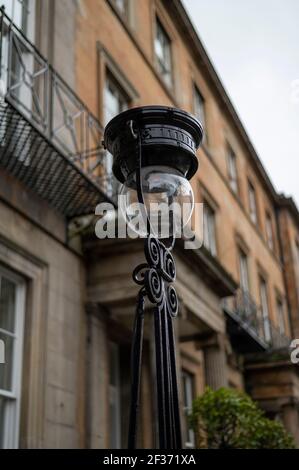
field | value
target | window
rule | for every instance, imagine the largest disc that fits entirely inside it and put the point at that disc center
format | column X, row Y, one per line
column 163, row 54
column 114, row 397
column 199, row 109
column 22, row 13
column 244, row 277
column 188, row 396
column 280, row 315
column 232, row 169
column 252, row 203
column 12, row 303
column 17, row 10
column 269, row 231
column 122, row 6
column 119, row 392
column 245, row 307
column 265, row 309
column 209, row 229
column 115, row 101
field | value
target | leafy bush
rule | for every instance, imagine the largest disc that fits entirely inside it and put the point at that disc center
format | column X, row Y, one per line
column 229, row 419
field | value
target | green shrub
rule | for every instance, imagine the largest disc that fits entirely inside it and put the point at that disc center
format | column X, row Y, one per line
column 229, row 419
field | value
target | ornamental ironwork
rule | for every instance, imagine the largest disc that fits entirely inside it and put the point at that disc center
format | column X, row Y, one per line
column 42, row 99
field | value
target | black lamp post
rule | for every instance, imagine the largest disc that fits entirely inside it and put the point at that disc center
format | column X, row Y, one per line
column 154, row 150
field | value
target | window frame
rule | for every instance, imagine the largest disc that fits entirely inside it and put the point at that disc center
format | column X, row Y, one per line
column 280, row 313
column 123, row 14
column 158, row 23
column 121, row 93
column 109, row 77
column 265, row 312
column 106, row 63
column 196, row 92
column 126, row 17
column 190, row 436
column 24, row 10
column 242, row 255
column 27, row 25
column 207, row 217
column 232, row 167
column 252, row 191
column 11, row 440
column 269, row 229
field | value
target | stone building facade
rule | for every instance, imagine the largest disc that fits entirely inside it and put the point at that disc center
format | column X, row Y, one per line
column 67, row 299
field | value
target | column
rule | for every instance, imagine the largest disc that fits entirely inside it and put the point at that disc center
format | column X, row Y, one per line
column 216, row 374
column 290, row 418
column 97, row 381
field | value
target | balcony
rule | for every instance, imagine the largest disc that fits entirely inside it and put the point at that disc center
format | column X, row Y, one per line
column 249, row 331
column 49, row 139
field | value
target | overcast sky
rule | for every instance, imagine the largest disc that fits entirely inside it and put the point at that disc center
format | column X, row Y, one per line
column 254, row 46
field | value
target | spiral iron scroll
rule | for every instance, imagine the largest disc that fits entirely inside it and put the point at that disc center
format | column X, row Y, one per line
column 157, row 275
column 155, row 278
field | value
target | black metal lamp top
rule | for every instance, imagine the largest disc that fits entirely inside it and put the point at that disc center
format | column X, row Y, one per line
column 168, row 136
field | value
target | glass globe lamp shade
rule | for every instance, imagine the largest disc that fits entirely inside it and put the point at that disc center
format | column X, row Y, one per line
column 168, row 202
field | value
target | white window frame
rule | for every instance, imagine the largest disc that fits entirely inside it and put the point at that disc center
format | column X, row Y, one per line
column 265, row 309
column 209, row 227
column 244, row 271
column 252, row 203
column 122, row 97
column 122, row 7
column 199, row 109
column 280, row 315
column 188, row 395
column 269, row 231
column 165, row 64
column 124, row 102
column 12, row 418
column 29, row 23
column 17, row 6
column 22, row 92
column 232, row 170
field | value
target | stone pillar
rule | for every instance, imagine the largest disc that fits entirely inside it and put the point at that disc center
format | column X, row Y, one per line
column 97, row 383
column 290, row 418
column 216, row 374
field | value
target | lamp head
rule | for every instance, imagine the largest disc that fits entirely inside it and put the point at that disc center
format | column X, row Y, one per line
column 169, row 138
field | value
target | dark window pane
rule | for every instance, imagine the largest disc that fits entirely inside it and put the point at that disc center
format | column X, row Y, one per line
column 163, row 54
column 7, row 304
column 7, row 367
column 199, row 110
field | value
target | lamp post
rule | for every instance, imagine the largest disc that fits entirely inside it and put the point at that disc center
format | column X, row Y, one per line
column 154, row 150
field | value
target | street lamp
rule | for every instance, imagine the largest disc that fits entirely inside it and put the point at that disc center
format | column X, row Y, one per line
column 154, row 150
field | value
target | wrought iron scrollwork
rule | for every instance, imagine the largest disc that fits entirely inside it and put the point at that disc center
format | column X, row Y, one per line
column 31, row 85
column 155, row 278
column 157, row 275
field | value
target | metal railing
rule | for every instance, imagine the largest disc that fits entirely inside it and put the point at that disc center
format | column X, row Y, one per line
column 251, row 318
column 37, row 91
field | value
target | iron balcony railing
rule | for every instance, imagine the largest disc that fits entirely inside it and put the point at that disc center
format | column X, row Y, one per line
column 46, row 106
column 250, row 318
